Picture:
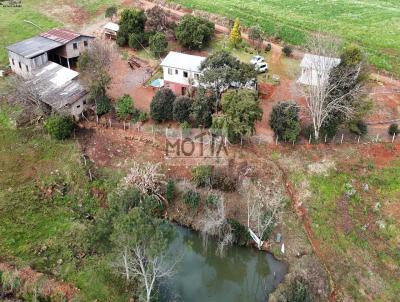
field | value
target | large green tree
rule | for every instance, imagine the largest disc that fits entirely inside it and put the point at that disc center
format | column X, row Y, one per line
column 158, row 44
column 161, row 107
column 241, row 111
column 132, row 22
column 181, row 109
column 194, row 32
column 221, row 71
column 284, row 120
column 203, row 107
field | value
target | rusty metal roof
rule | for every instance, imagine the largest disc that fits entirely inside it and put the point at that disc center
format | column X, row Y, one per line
column 61, row 35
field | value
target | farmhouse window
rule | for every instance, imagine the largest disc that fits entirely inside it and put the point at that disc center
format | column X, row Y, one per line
column 176, row 71
column 185, row 74
column 75, row 45
column 27, row 68
column 79, row 106
column 19, row 64
column 170, row 71
column 85, row 43
column 196, row 76
column 13, row 61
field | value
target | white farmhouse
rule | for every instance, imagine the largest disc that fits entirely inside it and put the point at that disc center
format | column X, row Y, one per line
column 181, row 71
column 315, row 69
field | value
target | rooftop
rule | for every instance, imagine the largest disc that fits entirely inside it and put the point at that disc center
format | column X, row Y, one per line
column 33, row 47
column 183, row 61
column 319, row 62
column 112, row 26
column 58, row 85
column 61, row 35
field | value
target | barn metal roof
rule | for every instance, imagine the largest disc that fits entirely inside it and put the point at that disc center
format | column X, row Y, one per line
column 61, row 35
column 33, row 47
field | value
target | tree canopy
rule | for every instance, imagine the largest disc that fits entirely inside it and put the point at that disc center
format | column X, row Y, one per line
column 161, row 107
column 241, row 111
column 203, row 107
column 59, row 126
column 235, row 37
column 132, row 22
column 158, row 44
column 181, row 109
column 156, row 19
column 284, row 120
column 194, row 32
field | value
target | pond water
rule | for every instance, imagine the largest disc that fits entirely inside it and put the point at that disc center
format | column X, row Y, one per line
column 243, row 274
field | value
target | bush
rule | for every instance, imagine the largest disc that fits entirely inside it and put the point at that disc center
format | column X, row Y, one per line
column 143, row 116
column 111, row 11
column 201, row 175
column 358, row 127
column 158, row 44
column 121, row 41
column 192, row 198
column 152, row 206
column 284, row 120
column 170, row 190
column 393, row 129
column 137, row 40
column 287, row 50
column 299, row 292
column 194, row 32
column 309, row 131
column 124, row 107
column 212, row 200
column 103, row 105
column 60, row 127
column 181, row 109
column 223, row 181
column 268, row 47
column 161, row 106
column 240, row 233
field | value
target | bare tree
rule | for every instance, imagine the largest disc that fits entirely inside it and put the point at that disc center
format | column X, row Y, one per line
column 157, row 19
column 264, row 207
column 150, row 270
column 148, row 178
column 320, row 96
column 215, row 224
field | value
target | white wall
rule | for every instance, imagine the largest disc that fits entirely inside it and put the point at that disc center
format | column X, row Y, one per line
column 27, row 65
column 178, row 77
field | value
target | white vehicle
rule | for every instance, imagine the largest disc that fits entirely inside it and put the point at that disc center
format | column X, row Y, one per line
column 261, row 67
column 256, row 59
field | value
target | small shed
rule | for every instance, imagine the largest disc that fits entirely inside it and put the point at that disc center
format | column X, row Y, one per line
column 315, row 69
column 110, row 30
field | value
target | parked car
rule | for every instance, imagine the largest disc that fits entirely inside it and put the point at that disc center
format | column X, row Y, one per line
column 256, row 59
column 261, row 67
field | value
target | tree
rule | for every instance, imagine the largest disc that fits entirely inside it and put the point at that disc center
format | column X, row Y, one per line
column 221, row 71
column 161, row 106
column 194, row 32
column 332, row 94
column 94, row 66
column 241, row 111
column 111, row 11
column 59, row 126
column 284, row 120
column 393, row 129
column 235, row 37
column 158, row 44
column 216, row 225
column 132, row 22
column 264, row 207
column 103, row 105
column 181, row 109
column 202, row 107
column 124, row 107
column 156, row 19
column 256, row 35
column 287, row 50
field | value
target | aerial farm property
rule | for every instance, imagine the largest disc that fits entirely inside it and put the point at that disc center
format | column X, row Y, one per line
column 199, row 151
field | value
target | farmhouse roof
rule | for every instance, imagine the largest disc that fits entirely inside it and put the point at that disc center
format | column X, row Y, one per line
column 112, row 26
column 58, row 86
column 33, row 47
column 183, row 61
column 319, row 62
column 62, row 35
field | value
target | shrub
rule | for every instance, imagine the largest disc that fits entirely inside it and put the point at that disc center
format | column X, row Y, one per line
column 170, row 190
column 143, row 116
column 124, row 107
column 194, row 32
column 137, row 40
column 235, row 37
column 202, row 107
column 201, row 175
column 309, row 131
column 299, row 292
column 223, row 181
column 158, row 44
column 284, row 120
column 192, row 198
column 152, row 206
column 358, row 127
column 60, row 127
column 103, row 105
column 111, row 11
column 393, row 129
column 121, row 41
column 268, row 47
column 161, row 106
column 287, row 50
column 181, row 109
column 240, row 233
column 212, row 200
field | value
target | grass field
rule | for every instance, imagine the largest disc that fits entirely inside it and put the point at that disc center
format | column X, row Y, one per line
column 374, row 24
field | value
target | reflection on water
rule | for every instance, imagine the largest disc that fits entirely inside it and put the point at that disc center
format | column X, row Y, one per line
column 243, row 274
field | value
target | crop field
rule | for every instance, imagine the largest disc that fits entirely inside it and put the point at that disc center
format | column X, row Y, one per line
column 374, row 24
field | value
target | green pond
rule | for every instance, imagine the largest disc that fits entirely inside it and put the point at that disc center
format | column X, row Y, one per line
column 243, row 274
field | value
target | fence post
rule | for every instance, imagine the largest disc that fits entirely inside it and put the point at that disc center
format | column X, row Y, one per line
column 276, row 140
column 309, row 140
column 97, row 119
column 241, row 140
column 325, row 138
column 393, row 137
column 377, row 137
column 109, row 122
column 124, row 125
column 341, row 141
column 358, row 141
